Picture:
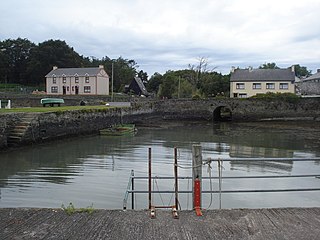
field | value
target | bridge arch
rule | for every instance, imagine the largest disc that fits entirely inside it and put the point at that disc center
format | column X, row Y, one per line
column 222, row 113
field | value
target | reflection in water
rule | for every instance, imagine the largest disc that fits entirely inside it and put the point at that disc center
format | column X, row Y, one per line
column 96, row 169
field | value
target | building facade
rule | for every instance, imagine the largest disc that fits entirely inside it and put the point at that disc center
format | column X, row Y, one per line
column 77, row 81
column 310, row 85
column 249, row 82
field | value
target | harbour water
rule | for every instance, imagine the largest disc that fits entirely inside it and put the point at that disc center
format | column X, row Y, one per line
column 94, row 170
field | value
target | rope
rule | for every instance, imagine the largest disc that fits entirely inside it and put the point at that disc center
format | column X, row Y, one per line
column 159, row 192
column 219, row 161
column 209, row 169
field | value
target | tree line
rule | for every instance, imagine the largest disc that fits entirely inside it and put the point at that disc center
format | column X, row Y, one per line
column 26, row 63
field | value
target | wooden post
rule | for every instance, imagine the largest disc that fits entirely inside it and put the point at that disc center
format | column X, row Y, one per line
column 196, row 170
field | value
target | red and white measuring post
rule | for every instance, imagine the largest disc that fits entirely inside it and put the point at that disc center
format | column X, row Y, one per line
column 197, row 177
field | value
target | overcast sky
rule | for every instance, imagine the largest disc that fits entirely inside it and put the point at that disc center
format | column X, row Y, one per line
column 170, row 34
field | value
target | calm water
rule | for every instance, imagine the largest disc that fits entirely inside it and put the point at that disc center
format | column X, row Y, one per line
column 95, row 170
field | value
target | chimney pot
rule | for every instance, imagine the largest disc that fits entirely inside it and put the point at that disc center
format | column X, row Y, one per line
column 54, row 68
column 101, row 66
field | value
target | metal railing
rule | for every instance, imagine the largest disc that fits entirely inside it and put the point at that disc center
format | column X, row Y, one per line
column 131, row 184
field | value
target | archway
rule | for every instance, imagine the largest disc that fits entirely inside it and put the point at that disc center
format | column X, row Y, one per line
column 222, row 113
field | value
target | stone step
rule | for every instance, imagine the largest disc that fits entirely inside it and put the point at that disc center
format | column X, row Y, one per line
column 21, row 127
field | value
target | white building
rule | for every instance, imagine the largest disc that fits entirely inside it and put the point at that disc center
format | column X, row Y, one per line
column 74, row 81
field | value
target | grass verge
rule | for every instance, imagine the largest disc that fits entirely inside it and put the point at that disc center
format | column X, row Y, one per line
column 52, row 109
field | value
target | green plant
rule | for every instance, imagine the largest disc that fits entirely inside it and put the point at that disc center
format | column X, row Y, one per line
column 70, row 209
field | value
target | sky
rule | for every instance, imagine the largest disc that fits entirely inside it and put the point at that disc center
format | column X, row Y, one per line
column 163, row 35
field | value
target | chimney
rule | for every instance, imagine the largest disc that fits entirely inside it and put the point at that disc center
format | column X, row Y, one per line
column 292, row 68
column 318, row 70
column 250, row 68
column 101, row 66
column 54, row 68
column 232, row 69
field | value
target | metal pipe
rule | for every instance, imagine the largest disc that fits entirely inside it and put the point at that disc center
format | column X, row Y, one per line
column 149, row 178
column 176, row 176
column 238, row 191
column 132, row 187
column 239, row 177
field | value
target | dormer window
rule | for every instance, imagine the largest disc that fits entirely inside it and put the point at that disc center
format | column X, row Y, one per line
column 87, row 78
column 76, row 78
column 64, row 79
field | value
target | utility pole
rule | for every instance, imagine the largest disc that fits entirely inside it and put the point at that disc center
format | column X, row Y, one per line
column 179, row 87
column 112, row 82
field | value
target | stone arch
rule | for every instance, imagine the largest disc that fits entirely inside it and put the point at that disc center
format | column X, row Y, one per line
column 222, row 113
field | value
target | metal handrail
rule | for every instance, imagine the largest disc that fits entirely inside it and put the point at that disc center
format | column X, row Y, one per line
column 132, row 178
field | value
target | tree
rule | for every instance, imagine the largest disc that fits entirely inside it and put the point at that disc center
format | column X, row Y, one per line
column 14, row 58
column 48, row 54
column 268, row 66
column 154, row 83
column 301, row 71
column 144, row 76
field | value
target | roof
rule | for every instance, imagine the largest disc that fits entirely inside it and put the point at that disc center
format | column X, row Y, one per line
column 313, row 77
column 248, row 75
column 74, row 71
column 140, row 85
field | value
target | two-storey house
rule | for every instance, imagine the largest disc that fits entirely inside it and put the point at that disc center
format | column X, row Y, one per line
column 74, row 81
column 246, row 83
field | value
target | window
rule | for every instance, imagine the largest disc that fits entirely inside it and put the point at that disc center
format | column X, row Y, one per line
column 284, row 86
column 54, row 89
column 87, row 79
column 77, row 79
column 256, row 86
column 64, row 79
column 270, row 85
column 240, row 86
column 54, row 80
column 68, row 88
column 242, row 95
column 87, row 89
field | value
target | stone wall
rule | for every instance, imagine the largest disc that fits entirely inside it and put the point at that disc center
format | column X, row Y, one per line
column 242, row 109
column 53, row 125
column 46, row 126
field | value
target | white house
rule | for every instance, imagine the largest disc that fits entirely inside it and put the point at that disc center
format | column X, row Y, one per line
column 74, row 81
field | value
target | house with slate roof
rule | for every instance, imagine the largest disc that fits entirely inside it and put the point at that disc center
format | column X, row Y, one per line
column 137, row 87
column 77, row 81
column 246, row 83
column 310, row 85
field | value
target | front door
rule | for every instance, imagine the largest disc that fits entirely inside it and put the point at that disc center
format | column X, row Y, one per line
column 64, row 91
column 77, row 90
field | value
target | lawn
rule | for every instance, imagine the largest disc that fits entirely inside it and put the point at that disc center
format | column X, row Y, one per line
column 52, row 109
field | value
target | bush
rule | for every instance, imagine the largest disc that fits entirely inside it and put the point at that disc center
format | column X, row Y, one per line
column 288, row 97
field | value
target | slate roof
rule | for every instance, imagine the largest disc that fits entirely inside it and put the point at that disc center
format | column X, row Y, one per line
column 313, row 77
column 246, row 75
column 68, row 72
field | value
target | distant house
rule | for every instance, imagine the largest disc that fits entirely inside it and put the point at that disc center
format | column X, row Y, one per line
column 74, row 81
column 137, row 87
column 311, row 85
column 249, row 82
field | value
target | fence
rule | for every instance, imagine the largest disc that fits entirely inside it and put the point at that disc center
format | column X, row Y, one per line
column 131, row 191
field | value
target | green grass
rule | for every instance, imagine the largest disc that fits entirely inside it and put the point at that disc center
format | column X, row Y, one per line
column 54, row 109
column 70, row 209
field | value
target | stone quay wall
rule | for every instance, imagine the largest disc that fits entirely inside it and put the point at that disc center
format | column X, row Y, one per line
column 52, row 125
column 241, row 109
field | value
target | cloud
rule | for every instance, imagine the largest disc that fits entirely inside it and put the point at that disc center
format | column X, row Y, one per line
column 163, row 35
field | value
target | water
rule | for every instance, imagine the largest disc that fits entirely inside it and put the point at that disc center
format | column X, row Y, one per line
column 95, row 170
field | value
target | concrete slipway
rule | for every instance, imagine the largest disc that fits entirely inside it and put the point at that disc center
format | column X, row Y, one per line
column 280, row 223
